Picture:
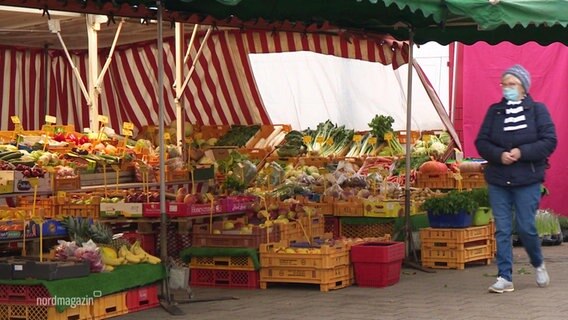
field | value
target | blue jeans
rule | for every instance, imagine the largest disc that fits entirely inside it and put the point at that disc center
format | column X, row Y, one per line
column 524, row 202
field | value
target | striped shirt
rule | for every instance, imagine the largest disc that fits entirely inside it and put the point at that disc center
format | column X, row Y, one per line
column 515, row 119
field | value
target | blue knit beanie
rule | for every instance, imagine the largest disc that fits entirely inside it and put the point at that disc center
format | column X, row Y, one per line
column 520, row 73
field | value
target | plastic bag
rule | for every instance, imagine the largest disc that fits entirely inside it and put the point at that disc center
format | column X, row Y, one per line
column 178, row 277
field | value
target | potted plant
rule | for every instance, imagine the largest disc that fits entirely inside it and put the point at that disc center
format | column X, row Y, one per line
column 483, row 215
column 452, row 210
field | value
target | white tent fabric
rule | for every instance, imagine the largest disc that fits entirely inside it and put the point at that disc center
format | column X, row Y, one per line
column 306, row 88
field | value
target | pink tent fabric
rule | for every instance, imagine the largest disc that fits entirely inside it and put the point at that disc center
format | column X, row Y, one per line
column 480, row 67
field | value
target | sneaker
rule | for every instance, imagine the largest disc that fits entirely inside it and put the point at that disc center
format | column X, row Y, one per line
column 502, row 285
column 542, row 278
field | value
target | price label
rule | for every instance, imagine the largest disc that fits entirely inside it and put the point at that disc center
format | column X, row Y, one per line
column 126, row 132
column 388, row 136
column 329, row 141
column 320, row 139
column 357, row 138
column 50, row 119
column 34, row 181
column 128, row 125
column 167, row 136
column 103, row 119
column 61, row 194
column 15, row 119
column 426, row 138
column 307, row 139
column 373, row 140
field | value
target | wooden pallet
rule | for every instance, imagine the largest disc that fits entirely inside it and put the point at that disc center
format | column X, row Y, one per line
column 438, row 264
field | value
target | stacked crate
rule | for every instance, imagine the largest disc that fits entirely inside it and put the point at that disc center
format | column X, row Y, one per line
column 455, row 248
column 227, row 272
column 327, row 265
column 240, row 271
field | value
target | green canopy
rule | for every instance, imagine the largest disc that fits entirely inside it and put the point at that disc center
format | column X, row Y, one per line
column 442, row 21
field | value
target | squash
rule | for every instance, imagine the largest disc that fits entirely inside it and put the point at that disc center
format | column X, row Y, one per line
column 470, row 166
column 433, row 166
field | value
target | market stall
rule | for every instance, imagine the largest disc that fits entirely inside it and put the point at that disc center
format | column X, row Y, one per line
column 329, row 273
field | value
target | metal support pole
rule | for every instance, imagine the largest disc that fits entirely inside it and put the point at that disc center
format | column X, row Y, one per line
column 179, row 73
column 93, row 26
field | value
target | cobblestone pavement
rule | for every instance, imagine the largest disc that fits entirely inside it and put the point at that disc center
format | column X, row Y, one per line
column 445, row 294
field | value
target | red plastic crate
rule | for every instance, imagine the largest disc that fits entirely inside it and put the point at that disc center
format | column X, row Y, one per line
column 224, row 278
column 147, row 240
column 142, row 298
column 378, row 252
column 377, row 274
column 22, row 294
column 332, row 226
column 377, row 264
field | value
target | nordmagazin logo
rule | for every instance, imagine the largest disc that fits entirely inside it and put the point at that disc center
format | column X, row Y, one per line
column 72, row 302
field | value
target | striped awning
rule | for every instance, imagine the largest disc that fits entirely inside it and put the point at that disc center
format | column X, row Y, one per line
column 222, row 89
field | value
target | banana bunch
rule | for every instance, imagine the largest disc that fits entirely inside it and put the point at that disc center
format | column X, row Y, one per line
column 110, row 258
column 129, row 256
column 137, row 250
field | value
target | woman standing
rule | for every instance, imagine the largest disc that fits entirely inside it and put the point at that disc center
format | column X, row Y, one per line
column 516, row 138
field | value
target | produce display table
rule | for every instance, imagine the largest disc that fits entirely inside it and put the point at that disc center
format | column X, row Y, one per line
column 121, row 279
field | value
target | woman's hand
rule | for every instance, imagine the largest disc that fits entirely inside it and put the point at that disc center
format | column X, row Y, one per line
column 508, row 158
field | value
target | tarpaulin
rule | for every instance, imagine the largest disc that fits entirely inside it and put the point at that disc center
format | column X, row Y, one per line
column 481, row 69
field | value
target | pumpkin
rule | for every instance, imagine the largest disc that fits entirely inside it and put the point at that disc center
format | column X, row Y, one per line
column 433, row 166
column 470, row 166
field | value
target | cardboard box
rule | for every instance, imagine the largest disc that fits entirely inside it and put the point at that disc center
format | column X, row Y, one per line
column 126, row 209
column 7, row 181
column 22, row 184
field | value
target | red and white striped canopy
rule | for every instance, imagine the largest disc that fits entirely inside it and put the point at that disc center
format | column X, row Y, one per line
column 222, row 89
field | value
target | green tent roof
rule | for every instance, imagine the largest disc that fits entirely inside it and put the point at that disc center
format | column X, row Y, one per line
column 442, row 21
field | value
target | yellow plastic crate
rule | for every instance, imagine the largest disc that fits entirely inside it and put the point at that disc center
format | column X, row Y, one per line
column 225, row 263
column 110, row 306
column 329, row 257
column 38, row 312
column 328, row 279
column 461, row 235
column 459, row 256
column 350, row 208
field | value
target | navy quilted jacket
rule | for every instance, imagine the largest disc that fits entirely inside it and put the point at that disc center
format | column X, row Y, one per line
column 537, row 142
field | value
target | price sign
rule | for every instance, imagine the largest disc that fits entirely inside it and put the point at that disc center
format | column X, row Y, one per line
column 307, row 139
column 329, row 141
column 167, row 136
column 126, row 132
column 357, row 138
column 61, row 194
column 103, row 119
column 426, row 137
column 388, row 136
column 127, row 126
column 373, row 140
column 50, row 119
column 320, row 139
column 15, row 120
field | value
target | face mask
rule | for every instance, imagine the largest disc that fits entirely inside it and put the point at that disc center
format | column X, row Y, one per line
column 511, row 94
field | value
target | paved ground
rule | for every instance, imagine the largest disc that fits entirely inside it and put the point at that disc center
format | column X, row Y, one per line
column 445, row 294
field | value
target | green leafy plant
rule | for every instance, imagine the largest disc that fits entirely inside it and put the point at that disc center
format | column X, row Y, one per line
column 451, row 203
column 481, row 196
